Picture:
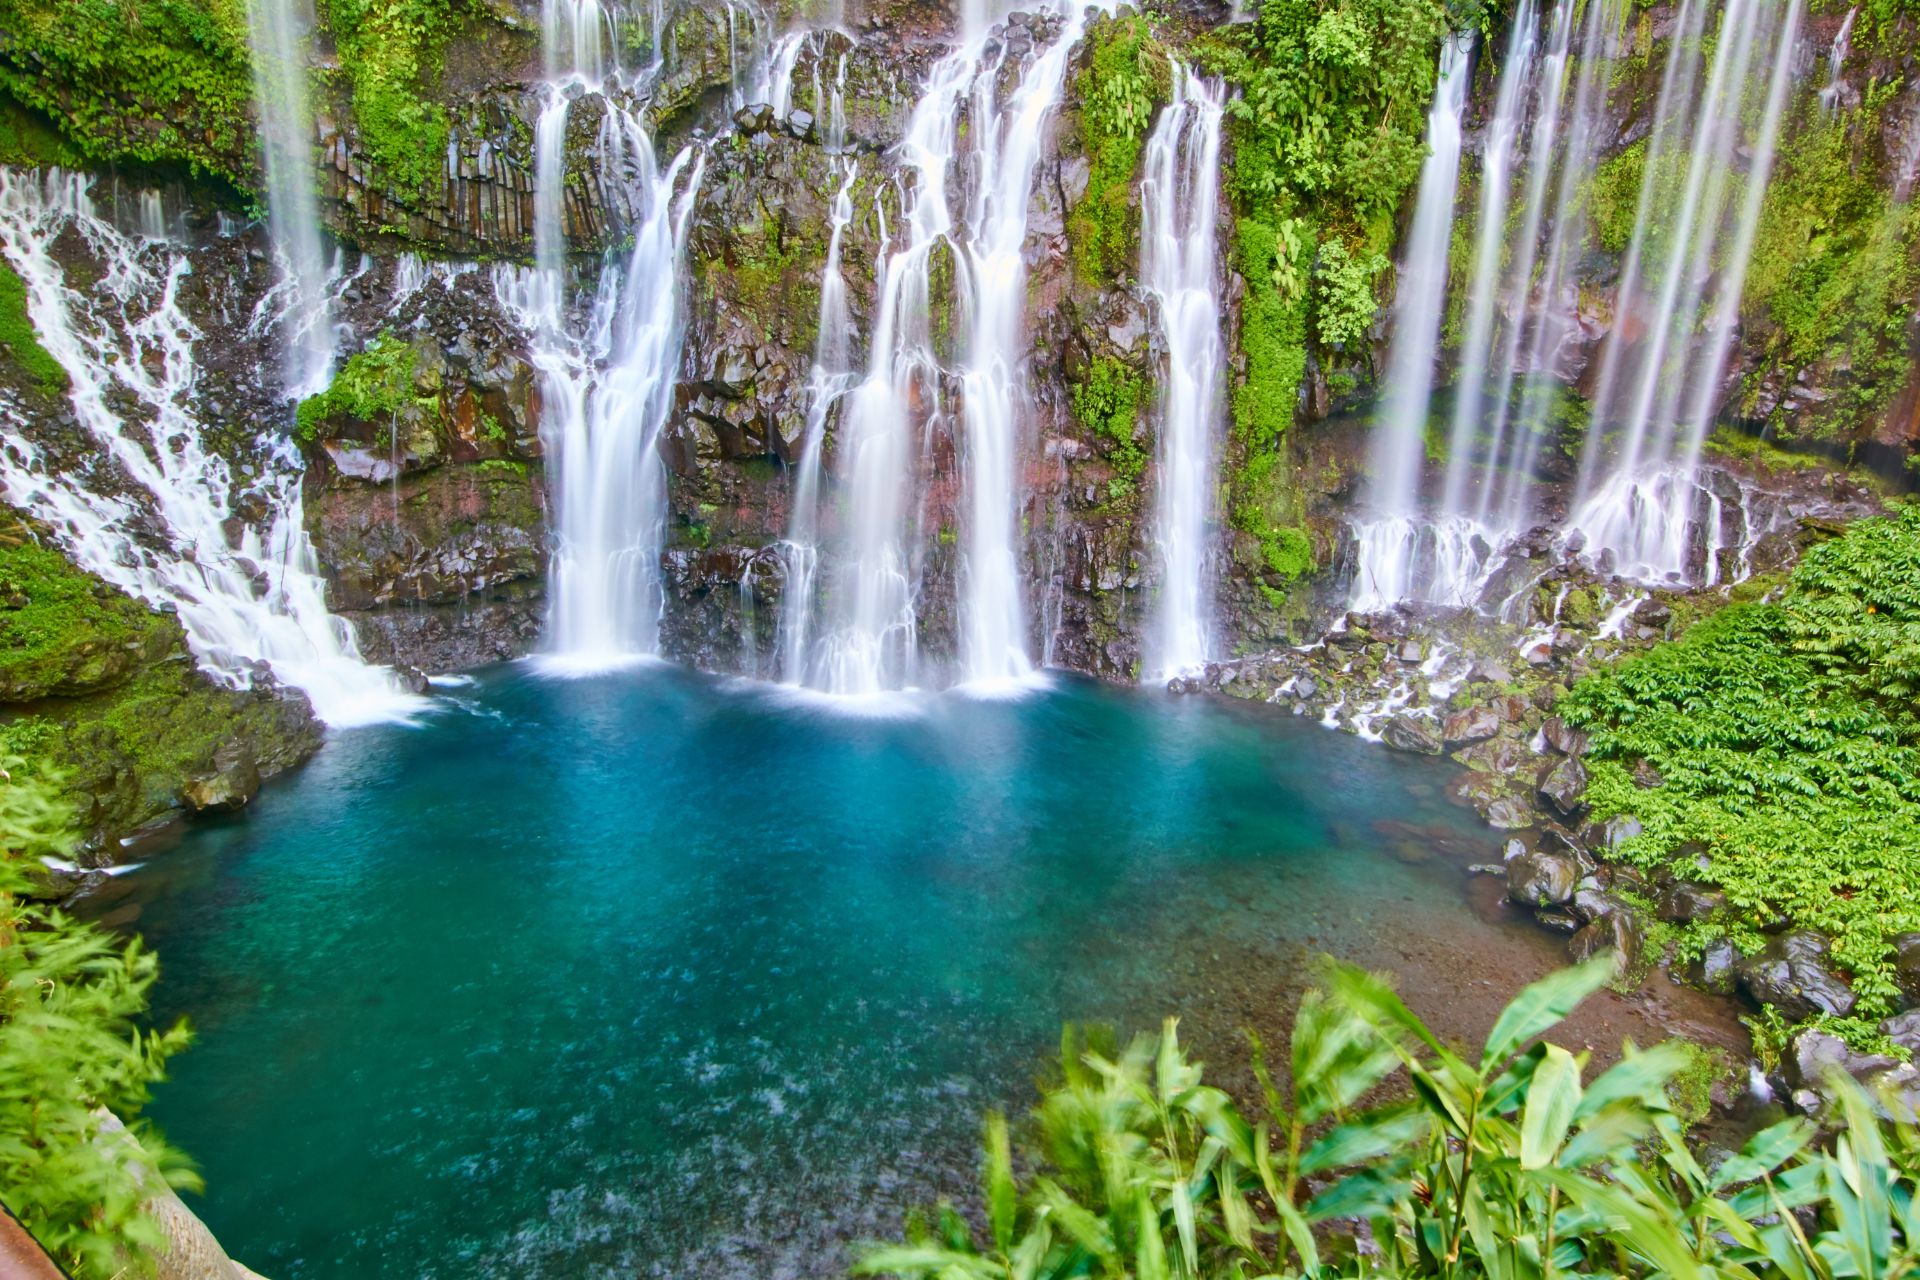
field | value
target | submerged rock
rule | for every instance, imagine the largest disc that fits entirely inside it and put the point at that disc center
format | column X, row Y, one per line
column 1409, row 733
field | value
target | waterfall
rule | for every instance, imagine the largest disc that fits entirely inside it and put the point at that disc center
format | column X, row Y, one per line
column 276, row 31
column 1179, row 269
column 826, row 383
column 1005, row 150
column 1489, row 243
column 1389, row 546
column 607, row 362
column 150, row 513
column 1639, row 503
column 870, row 640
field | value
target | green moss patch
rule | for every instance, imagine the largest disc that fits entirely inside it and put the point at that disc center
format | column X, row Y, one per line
column 63, row 632
column 1126, row 79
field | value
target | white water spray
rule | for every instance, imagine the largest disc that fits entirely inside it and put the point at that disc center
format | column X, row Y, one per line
column 127, row 339
column 277, row 31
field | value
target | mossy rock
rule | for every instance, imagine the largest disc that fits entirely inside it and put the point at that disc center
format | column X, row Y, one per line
column 65, row 634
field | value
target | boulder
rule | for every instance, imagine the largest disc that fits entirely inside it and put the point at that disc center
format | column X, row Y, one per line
column 1508, row 813
column 1814, row 1054
column 1794, row 973
column 1685, row 901
column 1564, row 786
column 1537, row 879
column 1717, row 968
column 1565, row 740
column 231, row 782
column 1906, row 964
column 1904, row 1030
column 1410, row 733
column 1471, row 725
column 1618, row 931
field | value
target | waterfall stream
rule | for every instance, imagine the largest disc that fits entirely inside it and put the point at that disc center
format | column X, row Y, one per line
column 608, row 362
column 960, row 134
column 150, row 513
column 1639, row 501
column 1180, row 271
column 1395, row 559
column 277, row 31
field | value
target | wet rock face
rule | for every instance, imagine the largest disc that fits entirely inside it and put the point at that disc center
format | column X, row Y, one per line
column 1795, row 973
column 1541, row 879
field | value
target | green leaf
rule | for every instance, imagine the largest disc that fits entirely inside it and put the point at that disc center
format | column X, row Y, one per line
column 1765, row 1151
column 1551, row 1102
column 1363, row 1140
column 1542, row 1005
column 1001, row 1195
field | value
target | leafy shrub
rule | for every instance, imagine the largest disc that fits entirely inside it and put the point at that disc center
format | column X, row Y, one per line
column 390, row 49
column 1510, row 1164
column 373, row 384
column 1344, row 304
column 1107, row 403
column 71, row 1045
column 1788, row 746
column 1125, row 80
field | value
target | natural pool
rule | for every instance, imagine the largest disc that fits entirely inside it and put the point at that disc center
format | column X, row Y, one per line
column 657, row 974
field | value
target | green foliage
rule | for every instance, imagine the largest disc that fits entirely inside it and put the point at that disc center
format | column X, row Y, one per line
column 372, row 385
column 1788, row 740
column 1333, row 102
column 71, row 1045
column 155, row 81
column 391, row 52
column 1509, row 1164
column 1344, row 303
column 1613, row 197
column 1106, row 401
column 1126, row 78
column 1836, row 265
column 19, row 341
column 1273, row 328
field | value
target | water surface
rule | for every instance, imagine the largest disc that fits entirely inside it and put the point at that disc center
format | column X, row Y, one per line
column 661, row 975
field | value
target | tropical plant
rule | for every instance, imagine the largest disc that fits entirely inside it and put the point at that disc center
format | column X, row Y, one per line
column 1507, row 1164
column 72, row 1056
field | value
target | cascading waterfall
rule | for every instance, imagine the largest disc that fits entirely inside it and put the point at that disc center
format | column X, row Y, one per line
column 1180, row 270
column 1397, row 559
column 870, row 642
column 276, row 31
column 1641, row 503
column 127, row 339
column 831, row 375
column 1005, row 150
column 607, row 365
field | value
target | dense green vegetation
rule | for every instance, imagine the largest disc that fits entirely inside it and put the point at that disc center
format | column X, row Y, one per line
column 18, row 341
column 1785, row 740
column 1836, row 266
column 372, row 386
column 390, row 51
column 153, row 81
column 1508, row 1164
column 71, row 1044
column 1106, row 400
column 1125, row 80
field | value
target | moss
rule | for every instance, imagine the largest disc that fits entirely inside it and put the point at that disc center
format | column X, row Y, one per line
column 1273, row 328
column 1836, row 269
column 18, row 341
column 1106, row 400
column 1126, row 78
column 99, row 692
column 391, row 52
column 63, row 632
column 1690, row 1090
column 152, row 81
column 1613, row 196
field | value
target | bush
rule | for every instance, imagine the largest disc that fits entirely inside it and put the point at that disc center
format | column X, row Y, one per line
column 71, row 1050
column 372, row 385
column 1787, row 744
column 1510, row 1164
